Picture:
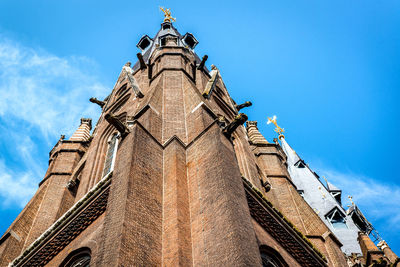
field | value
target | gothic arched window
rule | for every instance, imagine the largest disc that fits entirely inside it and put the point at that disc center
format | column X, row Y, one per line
column 271, row 258
column 110, row 156
column 78, row 258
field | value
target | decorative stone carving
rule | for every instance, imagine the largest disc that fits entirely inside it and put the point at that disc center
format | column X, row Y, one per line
column 211, row 83
column 40, row 256
column 129, row 73
column 284, row 233
column 72, row 185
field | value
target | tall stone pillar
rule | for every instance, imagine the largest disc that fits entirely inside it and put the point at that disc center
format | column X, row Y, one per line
column 58, row 198
column 368, row 248
column 388, row 251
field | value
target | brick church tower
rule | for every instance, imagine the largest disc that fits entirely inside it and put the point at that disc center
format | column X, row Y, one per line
column 169, row 176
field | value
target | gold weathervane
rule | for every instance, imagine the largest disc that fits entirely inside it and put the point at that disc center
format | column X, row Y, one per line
column 167, row 15
column 278, row 129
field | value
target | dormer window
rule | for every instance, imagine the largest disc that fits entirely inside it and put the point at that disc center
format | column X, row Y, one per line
column 337, row 195
column 144, row 43
column 337, row 219
column 168, row 40
column 166, row 26
column 300, row 164
column 189, row 40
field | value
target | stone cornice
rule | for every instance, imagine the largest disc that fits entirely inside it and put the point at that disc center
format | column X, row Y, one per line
column 281, row 229
column 67, row 227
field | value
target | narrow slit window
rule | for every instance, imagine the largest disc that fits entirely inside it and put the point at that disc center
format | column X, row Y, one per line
column 166, row 26
column 110, row 156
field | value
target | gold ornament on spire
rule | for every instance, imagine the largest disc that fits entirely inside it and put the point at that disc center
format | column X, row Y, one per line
column 167, row 15
column 278, row 129
column 351, row 200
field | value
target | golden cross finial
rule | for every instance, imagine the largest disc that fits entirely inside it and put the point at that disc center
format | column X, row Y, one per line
column 278, row 129
column 167, row 15
column 351, row 200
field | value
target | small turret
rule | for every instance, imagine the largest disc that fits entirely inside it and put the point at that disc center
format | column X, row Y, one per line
column 255, row 137
column 83, row 132
column 388, row 252
column 369, row 250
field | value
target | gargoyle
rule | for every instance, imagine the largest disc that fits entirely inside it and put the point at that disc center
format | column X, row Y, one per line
column 237, row 121
column 141, row 61
column 117, row 123
column 98, row 102
column 244, row 105
column 203, row 61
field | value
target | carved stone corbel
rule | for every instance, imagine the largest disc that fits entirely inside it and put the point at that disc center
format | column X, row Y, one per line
column 118, row 124
column 266, row 185
column 237, row 121
column 221, row 121
column 72, row 185
column 98, row 102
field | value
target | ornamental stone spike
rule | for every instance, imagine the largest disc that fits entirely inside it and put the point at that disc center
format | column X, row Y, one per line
column 83, row 132
column 255, row 137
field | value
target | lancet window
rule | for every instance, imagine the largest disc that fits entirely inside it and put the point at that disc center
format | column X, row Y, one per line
column 111, row 153
column 271, row 258
column 78, row 258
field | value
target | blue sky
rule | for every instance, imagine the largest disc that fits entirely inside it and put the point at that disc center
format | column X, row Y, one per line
column 329, row 70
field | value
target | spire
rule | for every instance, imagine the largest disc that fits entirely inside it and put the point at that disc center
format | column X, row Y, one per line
column 83, row 132
column 254, row 134
column 292, row 156
column 167, row 37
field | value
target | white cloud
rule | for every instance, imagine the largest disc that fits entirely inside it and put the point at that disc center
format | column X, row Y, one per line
column 45, row 90
column 41, row 96
column 16, row 188
column 377, row 200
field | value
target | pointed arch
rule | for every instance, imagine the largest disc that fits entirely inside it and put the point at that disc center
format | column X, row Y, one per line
column 78, row 258
column 271, row 258
column 109, row 161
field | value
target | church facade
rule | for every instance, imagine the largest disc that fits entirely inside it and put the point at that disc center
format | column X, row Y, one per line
column 173, row 174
